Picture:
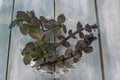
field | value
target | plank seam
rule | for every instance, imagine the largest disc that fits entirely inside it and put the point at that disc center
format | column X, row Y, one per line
column 8, row 55
column 99, row 41
column 54, row 2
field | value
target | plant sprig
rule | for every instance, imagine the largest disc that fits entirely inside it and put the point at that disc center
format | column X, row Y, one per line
column 43, row 48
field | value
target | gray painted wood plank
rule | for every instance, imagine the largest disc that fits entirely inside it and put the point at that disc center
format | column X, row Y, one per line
column 17, row 69
column 84, row 11
column 5, row 18
column 109, row 16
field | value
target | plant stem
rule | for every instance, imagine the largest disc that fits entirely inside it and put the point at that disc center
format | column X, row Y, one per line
column 68, row 37
column 53, row 62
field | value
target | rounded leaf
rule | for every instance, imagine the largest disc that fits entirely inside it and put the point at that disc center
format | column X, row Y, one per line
column 84, row 45
column 88, row 28
column 68, row 52
column 42, row 19
column 79, row 26
column 13, row 23
column 61, row 18
column 36, row 53
column 21, row 15
column 24, row 28
column 50, row 24
column 89, row 38
column 77, row 55
column 60, row 63
column 70, row 32
column 27, row 58
column 50, row 67
column 31, row 14
column 75, row 60
column 37, row 34
column 88, row 49
column 94, row 26
column 80, row 42
column 35, row 22
column 66, row 43
column 78, row 46
column 28, row 47
column 64, row 28
column 81, row 34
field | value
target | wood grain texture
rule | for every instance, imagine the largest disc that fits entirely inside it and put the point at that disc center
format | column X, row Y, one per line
column 109, row 16
column 5, row 19
column 84, row 11
column 17, row 69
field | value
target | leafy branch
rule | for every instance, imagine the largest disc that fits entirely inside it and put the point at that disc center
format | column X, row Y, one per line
column 42, row 50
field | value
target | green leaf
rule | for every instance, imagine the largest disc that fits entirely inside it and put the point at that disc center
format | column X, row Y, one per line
column 84, row 45
column 61, row 18
column 38, row 43
column 77, row 55
column 28, row 47
column 35, row 22
column 64, row 28
column 42, row 19
column 21, row 15
column 50, row 67
column 35, row 54
column 60, row 63
column 27, row 58
column 50, row 47
column 24, row 28
column 31, row 14
column 75, row 60
column 68, row 52
column 13, row 23
column 50, row 24
column 37, row 33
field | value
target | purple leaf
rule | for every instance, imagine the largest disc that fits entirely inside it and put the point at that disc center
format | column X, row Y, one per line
column 81, row 35
column 66, row 43
column 90, row 38
column 70, row 32
column 88, row 28
column 94, row 26
column 64, row 28
column 61, row 37
column 79, row 26
column 88, row 49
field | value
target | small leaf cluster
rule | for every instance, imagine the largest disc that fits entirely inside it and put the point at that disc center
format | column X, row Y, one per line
column 43, row 49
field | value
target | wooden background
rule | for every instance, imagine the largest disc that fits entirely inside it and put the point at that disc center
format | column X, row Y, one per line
column 74, row 10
